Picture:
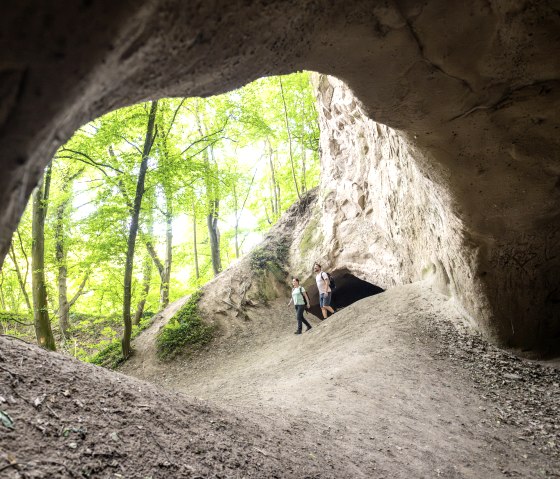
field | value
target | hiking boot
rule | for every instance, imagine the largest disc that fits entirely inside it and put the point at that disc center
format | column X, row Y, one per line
column 308, row 329
column 297, row 332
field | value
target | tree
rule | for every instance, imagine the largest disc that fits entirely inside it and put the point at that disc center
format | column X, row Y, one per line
column 62, row 214
column 42, row 322
column 22, row 279
column 133, row 231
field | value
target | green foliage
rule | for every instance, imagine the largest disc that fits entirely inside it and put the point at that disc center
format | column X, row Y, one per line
column 186, row 328
column 235, row 156
column 18, row 325
column 7, row 317
column 268, row 263
column 271, row 257
column 111, row 355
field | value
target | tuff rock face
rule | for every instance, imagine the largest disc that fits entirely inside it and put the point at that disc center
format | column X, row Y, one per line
column 378, row 215
column 471, row 187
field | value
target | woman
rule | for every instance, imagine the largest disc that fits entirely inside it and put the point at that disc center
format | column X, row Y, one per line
column 300, row 300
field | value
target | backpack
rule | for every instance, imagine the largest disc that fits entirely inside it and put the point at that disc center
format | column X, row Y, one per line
column 332, row 284
column 304, row 300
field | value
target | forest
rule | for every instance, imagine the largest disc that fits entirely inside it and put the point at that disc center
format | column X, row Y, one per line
column 147, row 203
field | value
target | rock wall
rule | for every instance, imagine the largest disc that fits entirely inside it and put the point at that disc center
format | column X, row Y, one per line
column 381, row 217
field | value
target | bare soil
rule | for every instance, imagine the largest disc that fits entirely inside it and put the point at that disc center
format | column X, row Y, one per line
column 401, row 384
column 393, row 386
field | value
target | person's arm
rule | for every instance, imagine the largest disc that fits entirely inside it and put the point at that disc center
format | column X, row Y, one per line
column 290, row 301
column 326, row 281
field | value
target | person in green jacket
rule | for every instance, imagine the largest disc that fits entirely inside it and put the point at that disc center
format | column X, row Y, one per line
column 301, row 302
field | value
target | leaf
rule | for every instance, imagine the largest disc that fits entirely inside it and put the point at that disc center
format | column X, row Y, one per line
column 39, row 400
column 6, row 420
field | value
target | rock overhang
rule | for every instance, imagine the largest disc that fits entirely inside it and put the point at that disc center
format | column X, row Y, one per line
column 471, row 89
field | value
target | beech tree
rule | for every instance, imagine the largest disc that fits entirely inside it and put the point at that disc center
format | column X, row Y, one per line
column 133, row 231
column 218, row 171
column 42, row 321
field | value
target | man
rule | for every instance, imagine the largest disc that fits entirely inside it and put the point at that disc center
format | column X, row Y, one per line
column 322, row 280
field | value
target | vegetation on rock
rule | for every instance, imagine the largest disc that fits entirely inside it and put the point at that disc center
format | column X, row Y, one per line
column 186, row 328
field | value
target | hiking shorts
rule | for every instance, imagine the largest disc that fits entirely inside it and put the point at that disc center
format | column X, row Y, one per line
column 325, row 299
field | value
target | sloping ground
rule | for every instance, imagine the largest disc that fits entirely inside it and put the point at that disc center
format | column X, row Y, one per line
column 393, row 384
column 386, row 388
column 64, row 419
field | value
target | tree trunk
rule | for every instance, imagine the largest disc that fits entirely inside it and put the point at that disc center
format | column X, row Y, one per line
column 21, row 280
column 237, row 214
column 146, row 271
column 289, row 138
column 60, row 250
column 146, row 281
column 303, row 169
column 275, row 202
column 195, row 247
column 41, row 319
column 164, row 269
column 2, row 299
column 214, row 235
column 131, row 243
column 166, row 276
column 303, row 150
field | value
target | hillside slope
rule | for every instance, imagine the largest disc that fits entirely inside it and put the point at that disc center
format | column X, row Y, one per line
column 392, row 383
column 60, row 418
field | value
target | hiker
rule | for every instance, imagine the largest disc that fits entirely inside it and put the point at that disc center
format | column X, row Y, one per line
column 323, row 285
column 301, row 302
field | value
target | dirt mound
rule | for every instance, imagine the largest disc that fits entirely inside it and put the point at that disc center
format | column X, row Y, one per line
column 391, row 386
column 61, row 418
column 394, row 383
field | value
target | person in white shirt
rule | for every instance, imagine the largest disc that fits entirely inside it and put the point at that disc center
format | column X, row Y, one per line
column 301, row 301
column 325, row 293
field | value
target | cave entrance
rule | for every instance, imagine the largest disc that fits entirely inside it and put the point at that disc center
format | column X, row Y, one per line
column 349, row 289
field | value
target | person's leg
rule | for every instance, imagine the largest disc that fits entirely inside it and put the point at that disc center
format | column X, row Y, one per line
column 307, row 325
column 299, row 317
column 322, row 304
column 327, row 305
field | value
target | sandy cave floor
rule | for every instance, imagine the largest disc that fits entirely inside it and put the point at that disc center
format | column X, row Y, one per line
column 390, row 387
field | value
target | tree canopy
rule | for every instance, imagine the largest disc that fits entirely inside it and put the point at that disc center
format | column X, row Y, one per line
column 200, row 180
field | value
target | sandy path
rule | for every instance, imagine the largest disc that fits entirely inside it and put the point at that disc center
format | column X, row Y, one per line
column 389, row 383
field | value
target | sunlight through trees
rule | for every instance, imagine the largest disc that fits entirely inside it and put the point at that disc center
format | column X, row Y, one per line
column 148, row 202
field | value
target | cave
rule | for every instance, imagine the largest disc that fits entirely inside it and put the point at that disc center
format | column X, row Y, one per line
column 467, row 91
column 349, row 289
column 439, row 133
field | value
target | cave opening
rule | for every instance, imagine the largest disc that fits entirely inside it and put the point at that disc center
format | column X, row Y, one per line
column 349, row 289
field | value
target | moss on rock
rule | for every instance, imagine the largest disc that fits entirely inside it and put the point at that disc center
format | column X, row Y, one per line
column 186, row 328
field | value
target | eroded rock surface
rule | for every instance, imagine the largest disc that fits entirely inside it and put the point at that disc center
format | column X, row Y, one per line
column 382, row 216
column 472, row 87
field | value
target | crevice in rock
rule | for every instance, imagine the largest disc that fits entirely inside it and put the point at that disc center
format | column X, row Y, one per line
column 349, row 289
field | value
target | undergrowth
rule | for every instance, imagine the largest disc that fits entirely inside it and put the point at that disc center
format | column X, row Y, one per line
column 185, row 328
column 111, row 355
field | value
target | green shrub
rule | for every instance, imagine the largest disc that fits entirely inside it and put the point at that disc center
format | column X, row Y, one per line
column 185, row 328
column 111, row 355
